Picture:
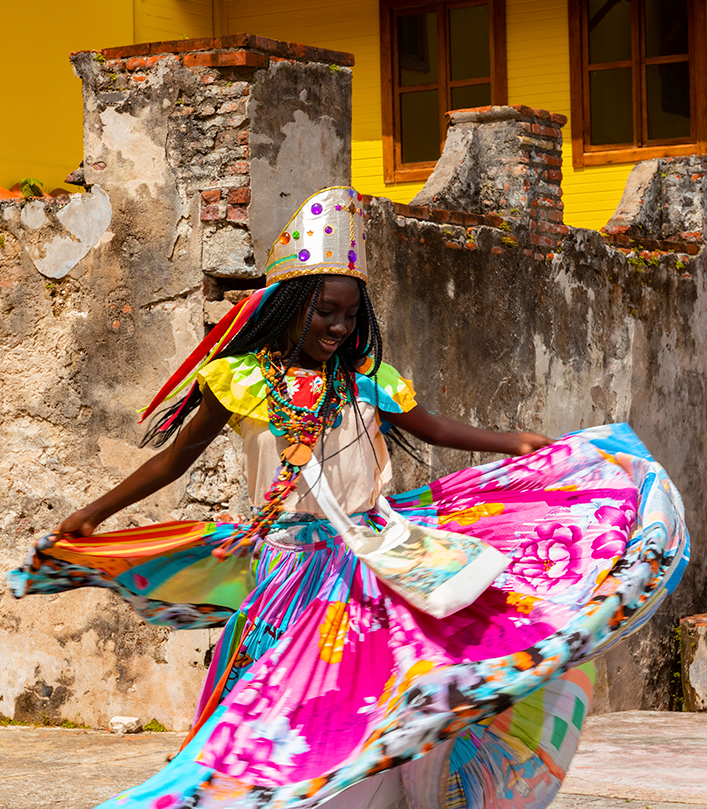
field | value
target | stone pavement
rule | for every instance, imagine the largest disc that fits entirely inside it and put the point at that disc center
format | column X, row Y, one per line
column 632, row 760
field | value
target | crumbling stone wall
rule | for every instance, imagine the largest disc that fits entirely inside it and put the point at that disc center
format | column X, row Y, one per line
column 196, row 152
column 505, row 322
column 103, row 297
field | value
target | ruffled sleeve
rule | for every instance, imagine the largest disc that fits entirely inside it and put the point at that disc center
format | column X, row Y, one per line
column 238, row 384
column 388, row 391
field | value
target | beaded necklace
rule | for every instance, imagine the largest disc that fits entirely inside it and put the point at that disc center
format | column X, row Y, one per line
column 301, row 426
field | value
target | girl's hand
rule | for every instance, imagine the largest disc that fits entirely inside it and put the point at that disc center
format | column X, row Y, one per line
column 525, row 443
column 81, row 523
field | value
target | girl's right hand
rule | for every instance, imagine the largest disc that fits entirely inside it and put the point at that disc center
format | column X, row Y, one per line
column 81, row 523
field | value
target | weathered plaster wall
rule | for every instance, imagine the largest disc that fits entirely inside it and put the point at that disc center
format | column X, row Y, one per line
column 103, row 297
column 196, row 152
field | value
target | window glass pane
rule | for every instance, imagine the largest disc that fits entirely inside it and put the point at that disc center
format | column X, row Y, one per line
column 666, row 27
column 609, row 25
column 668, row 97
column 611, row 106
column 470, row 56
column 417, row 48
column 419, row 113
column 475, row 95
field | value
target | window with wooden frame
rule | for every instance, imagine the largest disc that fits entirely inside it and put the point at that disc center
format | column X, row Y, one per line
column 638, row 76
column 435, row 57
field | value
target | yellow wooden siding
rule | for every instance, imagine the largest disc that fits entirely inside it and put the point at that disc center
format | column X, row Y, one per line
column 349, row 25
column 41, row 132
column 157, row 20
column 538, row 75
column 41, row 135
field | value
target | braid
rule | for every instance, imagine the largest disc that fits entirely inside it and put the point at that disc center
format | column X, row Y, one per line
column 305, row 331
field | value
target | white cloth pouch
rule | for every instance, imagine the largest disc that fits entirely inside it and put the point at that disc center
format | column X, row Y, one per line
column 438, row 572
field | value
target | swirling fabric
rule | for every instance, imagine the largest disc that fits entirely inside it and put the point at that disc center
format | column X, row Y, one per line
column 325, row 680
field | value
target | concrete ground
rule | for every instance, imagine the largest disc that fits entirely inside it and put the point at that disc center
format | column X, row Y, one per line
column 632, row 760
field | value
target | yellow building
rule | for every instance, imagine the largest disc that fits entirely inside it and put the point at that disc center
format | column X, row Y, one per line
column 629, row 83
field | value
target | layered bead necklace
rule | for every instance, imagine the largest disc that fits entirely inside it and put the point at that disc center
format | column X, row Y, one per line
column 301, row 426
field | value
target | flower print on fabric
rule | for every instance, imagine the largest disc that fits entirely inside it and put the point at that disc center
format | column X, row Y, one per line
column 611, row 543
column 554, row 555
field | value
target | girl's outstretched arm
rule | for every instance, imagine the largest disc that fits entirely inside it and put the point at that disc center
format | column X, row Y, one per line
column 445, row 432
column 163, row 468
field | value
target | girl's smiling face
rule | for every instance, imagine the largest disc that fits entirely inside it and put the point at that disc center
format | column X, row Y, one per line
column 333, row 320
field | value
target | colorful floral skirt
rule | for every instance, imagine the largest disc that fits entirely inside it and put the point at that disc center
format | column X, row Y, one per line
column 326, row 686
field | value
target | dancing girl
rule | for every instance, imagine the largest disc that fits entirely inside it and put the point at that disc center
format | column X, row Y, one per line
column 327, row 686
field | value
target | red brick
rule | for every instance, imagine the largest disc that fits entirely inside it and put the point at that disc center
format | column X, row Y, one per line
column 114, row 65
column 209, row 212
column 548, row 227
column 494, row 220
column 463, row 218
column 538, row 256
column 527, row 253
column 453, row 245
column 497, row 250
column 541, row 113
column 470, row 245
column 184, row 45
column 557, row 118
column 238, row 196
column 200, row 60
column 139, row 49
column 690, row 248
column 229, row 106
column 240, row 59
column 240, row 167
column 139, row 78
column 548, row 160
column 545, row 131
column 243, row 137
column 411, row 211
column 695, row 177
column 694, row 236
column 523, row 110
column 614, row 229
column 209, row 78
column 543, row 202
column 439, row 215
column 210, row 197
column 554, row 175
column 551, row 215
column 237, row 213
column 541, row 241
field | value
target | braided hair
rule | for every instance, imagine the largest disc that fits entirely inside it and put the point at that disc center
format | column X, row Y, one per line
column 277, row 313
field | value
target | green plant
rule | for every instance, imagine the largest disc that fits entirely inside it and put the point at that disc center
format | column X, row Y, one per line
column 679, row 265
column 2, row 241
column 5, row 721
column 99, row 57
column 69, row 725
column 509, row 241
column 505, row 226
column 31, row 187
column 334, row 68
column 154, row 726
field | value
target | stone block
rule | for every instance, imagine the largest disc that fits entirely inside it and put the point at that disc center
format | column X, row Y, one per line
column 228, row 253
column 693, row 656
column 124, row 724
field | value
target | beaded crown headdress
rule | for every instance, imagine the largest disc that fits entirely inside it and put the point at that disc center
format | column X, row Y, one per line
column 325, row 235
